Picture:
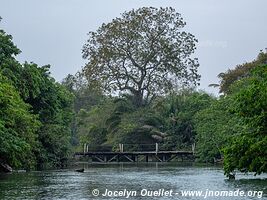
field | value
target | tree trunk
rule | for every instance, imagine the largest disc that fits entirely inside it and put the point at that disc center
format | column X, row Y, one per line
column 138, row 99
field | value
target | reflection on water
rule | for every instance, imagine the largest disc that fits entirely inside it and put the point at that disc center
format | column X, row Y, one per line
column 68, row 184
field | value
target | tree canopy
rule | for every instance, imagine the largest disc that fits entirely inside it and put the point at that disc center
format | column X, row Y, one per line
column 247, row 151
column 145, row 52
column 18, row 127
column 240, row 71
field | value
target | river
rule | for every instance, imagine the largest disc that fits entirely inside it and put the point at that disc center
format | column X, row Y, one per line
column 138, row 181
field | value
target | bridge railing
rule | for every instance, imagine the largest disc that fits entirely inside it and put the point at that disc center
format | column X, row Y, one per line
column 138, row 147
column 156, row 147
column 98, row 148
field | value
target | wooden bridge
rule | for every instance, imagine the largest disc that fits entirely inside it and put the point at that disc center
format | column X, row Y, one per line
column 135, row 154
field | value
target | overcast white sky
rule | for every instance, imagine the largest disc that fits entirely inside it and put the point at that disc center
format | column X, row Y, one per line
column 54, row 31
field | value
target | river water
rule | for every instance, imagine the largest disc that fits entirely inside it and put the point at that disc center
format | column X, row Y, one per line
column 139, row 181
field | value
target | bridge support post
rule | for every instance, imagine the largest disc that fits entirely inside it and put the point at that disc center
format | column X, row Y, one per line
column 164, row 158
column 157, row 148
column 121, row 148
column 84, row 148
column 193, row 148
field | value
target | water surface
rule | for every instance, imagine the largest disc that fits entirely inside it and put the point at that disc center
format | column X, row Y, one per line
column 68, row 184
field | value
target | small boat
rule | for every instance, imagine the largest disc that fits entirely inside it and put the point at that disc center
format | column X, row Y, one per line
column 232, row 176
column 80, row 170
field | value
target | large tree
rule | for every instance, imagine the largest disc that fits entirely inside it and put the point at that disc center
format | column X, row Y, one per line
column 145, row 52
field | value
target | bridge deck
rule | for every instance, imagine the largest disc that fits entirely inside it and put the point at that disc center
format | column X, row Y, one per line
column 137, row 156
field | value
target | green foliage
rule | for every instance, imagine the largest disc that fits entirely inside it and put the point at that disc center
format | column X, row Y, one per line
column 86, row 95
column 178, row 111
column 53, row 103
column 248, row 152
column 35, row 114
column 9, row 67
column 91, row 125
column 215, row 127
column 17, row 128
column 7, row 48
column 135, row 126
column 234, row 127
column 168, row 121
column 144, row 53
column 117, row 121
column 54, row 149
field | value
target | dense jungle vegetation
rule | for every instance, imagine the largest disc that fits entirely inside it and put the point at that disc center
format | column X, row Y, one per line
column 139, row 86
column 35, row 112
